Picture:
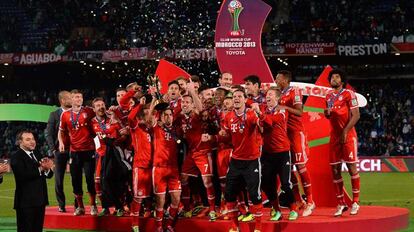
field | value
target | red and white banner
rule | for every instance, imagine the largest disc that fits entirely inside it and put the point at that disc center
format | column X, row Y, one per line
column 6, row 58
column 402, row 47
column 35, row 58
column 306, row 49
column 131, row 54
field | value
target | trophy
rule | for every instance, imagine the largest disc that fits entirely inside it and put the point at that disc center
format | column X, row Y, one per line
column 154, row 81
column 235, row 8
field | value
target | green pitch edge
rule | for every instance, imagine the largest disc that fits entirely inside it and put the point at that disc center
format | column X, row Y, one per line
column 321, row 141
column 312, row 109
column 25, row 112
column 318, row 142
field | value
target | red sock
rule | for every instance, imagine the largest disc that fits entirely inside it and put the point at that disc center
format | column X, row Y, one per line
column 92, row 199
column 306, row 182
column 242, row 204
column 295, row 187
column 185, row 195
column 257, row 211
column 159, row 214
column 223, row 185
column 211, row 197
column 136, row 209
column 232, row 211
column 355, row 182
column 339, row 187
column 79, row 200
column 173, row 213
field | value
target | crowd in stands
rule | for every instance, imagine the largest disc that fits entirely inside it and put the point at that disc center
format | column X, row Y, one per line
column 164, row 24
column 386, row 126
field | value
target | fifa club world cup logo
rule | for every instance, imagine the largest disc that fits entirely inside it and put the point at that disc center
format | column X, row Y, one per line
column 235, row 9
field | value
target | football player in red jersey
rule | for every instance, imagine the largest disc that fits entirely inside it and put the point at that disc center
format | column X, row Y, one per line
column 241, row 127
column 105, row 128
column 343, row 113
column 165, row 173
column 291, row 100
column 198, row 159
column 276, row 161
column 225, row 80
column 252, row 85
column 173, row 97
column 217, row 114
column 140, row 126
column 76, row 124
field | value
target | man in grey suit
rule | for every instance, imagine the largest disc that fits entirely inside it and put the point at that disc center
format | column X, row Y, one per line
column 61, row 158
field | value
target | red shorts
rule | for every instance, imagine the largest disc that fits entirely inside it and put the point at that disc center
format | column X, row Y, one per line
column 141, row 182
column 343, row 152
column 198, row 162
column 299, row 147
column 165, row 177
column 223, row 161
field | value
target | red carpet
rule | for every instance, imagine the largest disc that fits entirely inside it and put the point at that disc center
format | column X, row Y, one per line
column 370, row 218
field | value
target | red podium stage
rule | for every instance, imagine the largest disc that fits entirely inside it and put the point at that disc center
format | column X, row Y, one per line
column 370, row 218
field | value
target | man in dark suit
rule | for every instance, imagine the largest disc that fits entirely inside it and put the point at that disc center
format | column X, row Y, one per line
column 60, row 158
column 30, row 172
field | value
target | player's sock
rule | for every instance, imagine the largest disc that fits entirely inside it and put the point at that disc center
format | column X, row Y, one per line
column 172, row 214
column 185, row 195
column 307, row 187
column 159, row 214
column 339, row 187
column 295, row 187
column 79, row 200
column 92, row 199
column 242, row 204
column 355, row 181
column 137, row 208
column 223, row 185
column 232, row 209
column 211, row 196
column 257, row 211
column 98, row 189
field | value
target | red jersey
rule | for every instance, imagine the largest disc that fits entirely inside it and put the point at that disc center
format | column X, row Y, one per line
column 121, row 115
column 77, row 125
column 141, row 139
column 260, row 99
column 105, row 129
column 175, row 106
column 341, row 104
column 290, row 97
column 245, row 136
column 165, row 147
column 275, row 137
column 193, row 127
column 218, row 116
